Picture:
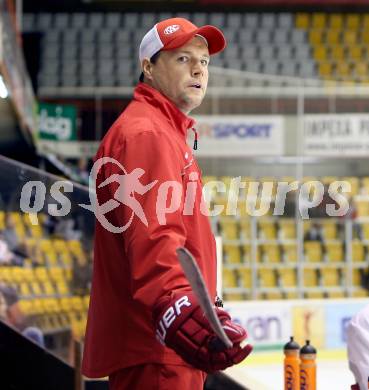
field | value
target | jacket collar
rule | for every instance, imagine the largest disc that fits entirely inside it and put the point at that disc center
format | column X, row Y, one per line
column 145, row 93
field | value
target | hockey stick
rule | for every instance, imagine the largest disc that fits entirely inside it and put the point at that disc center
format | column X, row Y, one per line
column 197, row 283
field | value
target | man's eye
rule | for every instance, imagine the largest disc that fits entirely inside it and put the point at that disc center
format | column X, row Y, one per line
column 205, row 62
column 182, row 59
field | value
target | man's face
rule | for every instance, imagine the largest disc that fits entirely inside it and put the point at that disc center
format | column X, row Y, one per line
column 182, row 74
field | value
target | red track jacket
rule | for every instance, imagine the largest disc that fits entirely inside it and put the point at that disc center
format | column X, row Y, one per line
column 133, row 269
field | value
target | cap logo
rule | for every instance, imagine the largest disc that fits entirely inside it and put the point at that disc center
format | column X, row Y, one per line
column 171, row 29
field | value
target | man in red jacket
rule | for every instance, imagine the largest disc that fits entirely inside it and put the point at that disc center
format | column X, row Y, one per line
column 145, row 328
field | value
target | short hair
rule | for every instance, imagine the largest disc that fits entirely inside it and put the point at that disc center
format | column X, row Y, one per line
column 153, row 60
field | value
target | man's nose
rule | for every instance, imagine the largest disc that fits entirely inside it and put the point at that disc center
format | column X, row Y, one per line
column 197, row 70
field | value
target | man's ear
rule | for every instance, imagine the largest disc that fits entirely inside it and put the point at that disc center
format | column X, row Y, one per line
column 147, row 68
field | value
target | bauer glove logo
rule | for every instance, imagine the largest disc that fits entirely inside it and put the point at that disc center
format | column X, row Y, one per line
column 169, row 316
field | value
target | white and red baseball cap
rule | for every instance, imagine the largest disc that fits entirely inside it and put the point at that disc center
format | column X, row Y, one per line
column 175, row 32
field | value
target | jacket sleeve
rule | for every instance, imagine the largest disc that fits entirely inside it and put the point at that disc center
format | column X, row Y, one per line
column 150, row 250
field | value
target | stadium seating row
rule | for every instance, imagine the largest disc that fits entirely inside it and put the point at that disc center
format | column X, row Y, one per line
column 314, row 252
column 287, row 277
column 329, row 46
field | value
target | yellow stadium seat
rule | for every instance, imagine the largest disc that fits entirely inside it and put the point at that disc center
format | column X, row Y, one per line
column 48, row 288
column 365, row 185
column 355, row 53
column 364, row 37
column 314, row 295
column 358, row 252
column 245, row 228
column 62, row 288
column 360, row 293
column 319, row 20
column 353, row 21
column 17, row 274
column 28, row 275
column 229, row 278
column 20, row 231
column 250, row 254
column 334, row 251
column 329, row 229
column 287, row 277
column 266, row 277
column 302, row 20
column 333, row 37
column 289, row 253
column 310, row 277
column 41, row 274
column 68, row 273
column 365, row 20
column 271, row 253
column 233, row 296
column 336, row 21
column 77, row 303
column 229, row 228
column 52, row 258
column 6, row 275
column 245, row 276
column 287, row 229
column 313, row 251
column 356, row 277
column 349, row 37
column 75, row 245
column 45, row 245
column 15, row 216
column 316, row 38
column 330, row 277
column 267, row 230
column 343, row 69
column 86, row 301
column 36, row 231
column 66, row 259
column 365, row 230
column 336, row 294
column 26, row 306
column 2, row 220
column 362, row 207
column 56, row 274
column 291, row 295
column 325, row 69
column 320, row 53
column 65, row 304
column 337, row 53
column 246, row 257
column 60, row 245
column 24, row 290
column 273, row 295
column 36, row 288
column 232, row 253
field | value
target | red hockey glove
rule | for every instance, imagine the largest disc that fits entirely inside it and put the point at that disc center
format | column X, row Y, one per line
column 355, row 387
column 181, row 325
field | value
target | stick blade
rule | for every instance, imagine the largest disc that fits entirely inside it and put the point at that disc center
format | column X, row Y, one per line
column 193, row 274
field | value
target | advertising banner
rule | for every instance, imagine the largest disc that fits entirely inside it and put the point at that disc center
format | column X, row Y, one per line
column 239, row 135
column 336, row 135
column 267, row 325
column 57, row 122
column 324, row 322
